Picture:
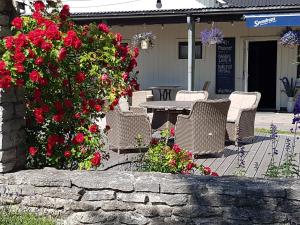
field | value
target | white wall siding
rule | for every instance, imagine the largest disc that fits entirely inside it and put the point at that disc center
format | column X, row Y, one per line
column 161, row 66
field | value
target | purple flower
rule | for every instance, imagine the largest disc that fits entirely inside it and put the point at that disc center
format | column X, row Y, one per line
column 297, row 106
column 212, row 36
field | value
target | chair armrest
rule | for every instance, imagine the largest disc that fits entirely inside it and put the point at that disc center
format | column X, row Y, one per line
column 181, row 116
column 245, row 123
column 247, row 113
column 138, row 110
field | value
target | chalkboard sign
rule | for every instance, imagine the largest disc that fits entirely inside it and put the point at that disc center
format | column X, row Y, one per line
column 225, row 66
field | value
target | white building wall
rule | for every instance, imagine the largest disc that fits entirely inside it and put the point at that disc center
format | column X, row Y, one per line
column 161, row 66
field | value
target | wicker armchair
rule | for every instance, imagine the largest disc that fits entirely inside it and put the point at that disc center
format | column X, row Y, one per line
column 139, row 97
column 191, row 95
column 241, row 115
column 203, row 130
column 126, row 127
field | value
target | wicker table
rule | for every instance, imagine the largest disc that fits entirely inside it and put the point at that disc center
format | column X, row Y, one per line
column 164, row 91
column 165, row 112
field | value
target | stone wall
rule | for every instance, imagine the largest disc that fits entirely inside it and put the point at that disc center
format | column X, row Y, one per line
column 95, row 197
column 12, row 136
column 11, row 108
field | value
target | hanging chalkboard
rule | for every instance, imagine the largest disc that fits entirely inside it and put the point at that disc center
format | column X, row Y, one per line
column 225, row 66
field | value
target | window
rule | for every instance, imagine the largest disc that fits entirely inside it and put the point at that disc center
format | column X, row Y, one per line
column 183, row 50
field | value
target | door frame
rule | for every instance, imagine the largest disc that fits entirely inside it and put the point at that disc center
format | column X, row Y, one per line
column 245, row 42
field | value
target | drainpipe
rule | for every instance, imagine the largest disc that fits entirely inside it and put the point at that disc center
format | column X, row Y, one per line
column 191, row 52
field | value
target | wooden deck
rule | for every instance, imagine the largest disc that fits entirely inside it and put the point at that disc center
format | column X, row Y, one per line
column 257, row 157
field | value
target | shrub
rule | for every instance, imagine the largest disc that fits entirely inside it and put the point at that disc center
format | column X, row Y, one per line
column 71, row 75
column 165, row 157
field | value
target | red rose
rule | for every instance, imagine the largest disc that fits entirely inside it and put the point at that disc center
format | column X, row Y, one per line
column 65, row 12
column 103, row 27
column 34, row 76
column 19, row 57
column 9, row 42
column 45, row 108
column 93, row 128
column 118, row 37
column 172, row 132
column 38, row 17
column 176, row 148
column 17, row 23
column 136, row 52
column 37, row 94
column 31, row 53
column 19, row 67
column 39, row 61
column 38, row 5
column 38, row 114
column 207, row 170
column 125, row 76
column 77, row 115
column 2, row 65
column 68, row 103
column 32, row 151
column 46, row 46
column 21, row 41
column 154, row 141
column 58, row 106
column 79, row 138
column 20, row 82
column 5, row 81
column 96, row 160
column 43, row 81
column 67, row 154
column 77, row 43
column 80, row 77
column 214, row 174
column 98, row 108
column 62, row 54
column 52, row 32
column 190, row 166
column 58, row 117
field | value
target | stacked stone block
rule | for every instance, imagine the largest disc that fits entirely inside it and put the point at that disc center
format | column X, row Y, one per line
column 111, row 198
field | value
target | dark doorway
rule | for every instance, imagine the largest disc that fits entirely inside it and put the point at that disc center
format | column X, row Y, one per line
column 262, row 72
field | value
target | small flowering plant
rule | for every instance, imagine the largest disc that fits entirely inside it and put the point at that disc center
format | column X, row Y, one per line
column 138, row 39
column 71, row 75
column 166, row 157
column 211, row 36
column 290, row 38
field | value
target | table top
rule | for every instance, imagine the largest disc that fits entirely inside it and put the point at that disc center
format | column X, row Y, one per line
column 165, row 87
column 168, row 105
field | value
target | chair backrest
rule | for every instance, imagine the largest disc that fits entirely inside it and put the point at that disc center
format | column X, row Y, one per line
column 206, row 86
column 209, row 125
column 123, row 104
column 191, row 95
column 242, row 100
column 139, row 97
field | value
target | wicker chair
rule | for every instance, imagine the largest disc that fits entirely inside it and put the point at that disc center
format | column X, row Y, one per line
column 203, row 130
column 241, row 115
column 126, row 127
column 139, row 97
column 191, row 95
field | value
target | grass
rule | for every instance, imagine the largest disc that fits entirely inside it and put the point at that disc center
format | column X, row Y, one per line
column 10, row 217
column 267, row 131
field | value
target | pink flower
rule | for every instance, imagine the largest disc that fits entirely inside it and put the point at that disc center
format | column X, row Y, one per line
column 172, row 132
column 125, row 76
column 214, row 174
column 207, row 170
column 104, row 77
column 103, row 27
column 32, row 151
column 176, row 148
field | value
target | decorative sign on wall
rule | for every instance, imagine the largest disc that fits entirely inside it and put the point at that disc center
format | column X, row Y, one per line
column 225, row 66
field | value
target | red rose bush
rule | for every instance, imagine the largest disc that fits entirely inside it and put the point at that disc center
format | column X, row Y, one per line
column 71, row 75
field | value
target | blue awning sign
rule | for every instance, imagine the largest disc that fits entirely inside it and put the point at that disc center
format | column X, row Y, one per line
column 273, row 20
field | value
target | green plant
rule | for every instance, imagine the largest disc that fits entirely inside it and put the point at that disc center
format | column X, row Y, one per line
column 290, row 87
column 10, row 217
column 71, row 75
column 165, row 157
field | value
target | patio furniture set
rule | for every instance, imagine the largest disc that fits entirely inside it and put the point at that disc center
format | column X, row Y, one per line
column 201, row 125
